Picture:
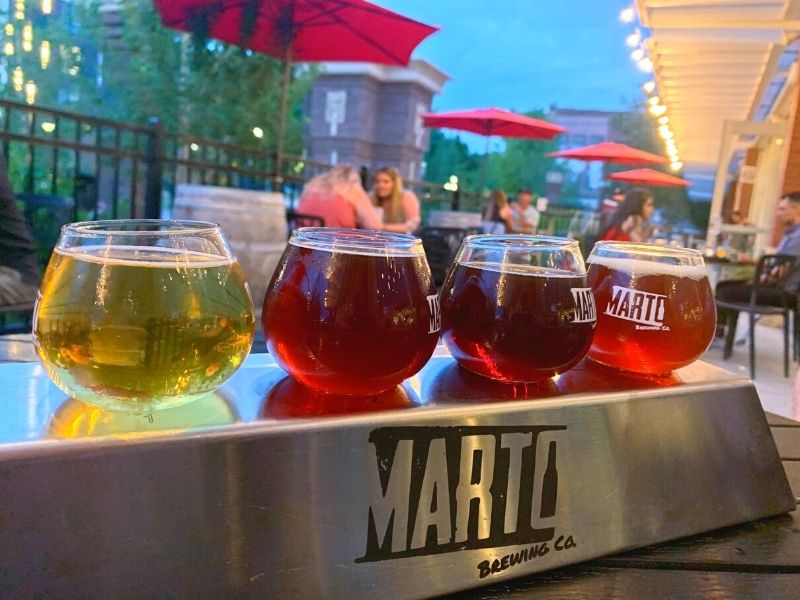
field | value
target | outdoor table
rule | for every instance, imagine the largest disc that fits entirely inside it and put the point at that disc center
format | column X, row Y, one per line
column 728, row 271
column 261, row 489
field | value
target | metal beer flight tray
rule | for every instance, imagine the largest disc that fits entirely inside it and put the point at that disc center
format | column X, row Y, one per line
column 450, row 482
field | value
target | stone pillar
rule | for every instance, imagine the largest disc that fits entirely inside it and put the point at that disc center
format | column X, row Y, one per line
column 367, row 114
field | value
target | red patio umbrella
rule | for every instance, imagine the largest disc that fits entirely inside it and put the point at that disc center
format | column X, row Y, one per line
column 649, row 177
column 611, row 152
column 301, row 30
column 493, row 121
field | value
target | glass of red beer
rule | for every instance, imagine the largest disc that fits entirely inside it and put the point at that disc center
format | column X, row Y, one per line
column 517, row 308
column 351, row 312
column 656, row 309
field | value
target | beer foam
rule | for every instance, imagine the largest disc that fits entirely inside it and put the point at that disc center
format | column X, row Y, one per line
column 526, row 270
column 145, row 256
column 643, row 267
column 345, row 248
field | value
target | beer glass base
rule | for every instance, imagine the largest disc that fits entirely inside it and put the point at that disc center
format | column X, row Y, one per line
column 639, row 373
column 544, row 379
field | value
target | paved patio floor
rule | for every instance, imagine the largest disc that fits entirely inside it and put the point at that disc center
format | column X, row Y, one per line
column 777, row 393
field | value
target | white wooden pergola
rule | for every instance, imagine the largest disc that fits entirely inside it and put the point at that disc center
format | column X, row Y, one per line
column 727, row 70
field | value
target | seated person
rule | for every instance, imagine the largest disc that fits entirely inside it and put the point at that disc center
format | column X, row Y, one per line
column 524, row 217
column 497, row 215
column 788, row 213
column 19, row 268
column 400, row 206
column 630, row 222
column 338, row 198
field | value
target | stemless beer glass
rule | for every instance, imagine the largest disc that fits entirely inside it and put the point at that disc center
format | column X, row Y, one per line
column 351, row 312
column 657, row 312
column 142, row 314
column 517, row 307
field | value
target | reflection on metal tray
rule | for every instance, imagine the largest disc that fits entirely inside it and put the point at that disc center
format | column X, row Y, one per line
column 451, row 481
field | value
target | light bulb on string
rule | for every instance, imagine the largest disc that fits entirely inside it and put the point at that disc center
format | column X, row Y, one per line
column 9, row 29
column 27, row 37
column 677, row 166
column 634, row 39
column 45, row 54
column 638, row 54
column 8, row 49
column 30, row 92
column 627, row 15
column 18, row 79
column 645, row 65
column 649, row 87
column 663, row 120
column 654, row 100
column 47, row 7
column 19, row 10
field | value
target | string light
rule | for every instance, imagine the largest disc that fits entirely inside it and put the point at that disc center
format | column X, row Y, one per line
column 9, row 28
column 45, row 54
column 627, row 15
column 634, row 39
column 19, row 10
column 645, row 65
column 657, row 109
column 677, row 166
column 27, row 37
column 30, row 92
column 48, row 127
column 653, row 101
column 47, row 7
column 637, row 54
column 8, row 50
column 649, row 87
column 663, row 120
column 18, row 79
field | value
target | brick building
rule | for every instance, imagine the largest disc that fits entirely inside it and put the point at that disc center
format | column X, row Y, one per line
column 367, row 114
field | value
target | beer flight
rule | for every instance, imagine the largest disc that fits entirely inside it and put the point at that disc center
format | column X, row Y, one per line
column 145, row 314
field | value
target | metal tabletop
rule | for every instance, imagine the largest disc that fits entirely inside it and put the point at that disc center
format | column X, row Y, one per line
column 265, row 489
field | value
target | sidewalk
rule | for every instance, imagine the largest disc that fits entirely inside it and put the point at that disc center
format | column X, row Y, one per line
column 776, row 391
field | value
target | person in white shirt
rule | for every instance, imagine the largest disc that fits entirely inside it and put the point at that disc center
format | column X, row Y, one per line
column 524, row 216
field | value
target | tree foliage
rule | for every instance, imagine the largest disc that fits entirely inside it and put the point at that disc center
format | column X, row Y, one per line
column 637, row 129
column 204, row 89
column 522, row 163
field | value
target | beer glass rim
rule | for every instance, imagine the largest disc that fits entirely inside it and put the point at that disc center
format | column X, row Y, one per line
column 527, row 242
column 161, row 227
column 357, row 241
column 647, row 252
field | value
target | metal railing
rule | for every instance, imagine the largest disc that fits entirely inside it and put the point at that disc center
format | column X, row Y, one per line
column 68, row 166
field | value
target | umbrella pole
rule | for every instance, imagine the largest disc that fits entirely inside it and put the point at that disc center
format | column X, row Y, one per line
column 483, row 165
column 277, row 181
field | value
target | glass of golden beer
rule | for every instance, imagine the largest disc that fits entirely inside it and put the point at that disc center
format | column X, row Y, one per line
column 140, row 315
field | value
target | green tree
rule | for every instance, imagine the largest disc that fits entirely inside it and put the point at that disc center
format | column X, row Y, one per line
column 204, row 89
column 636, row 128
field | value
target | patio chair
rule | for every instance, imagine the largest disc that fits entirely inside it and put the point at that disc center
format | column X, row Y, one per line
column 771, row 274
column 441, row 245
column 295, row 220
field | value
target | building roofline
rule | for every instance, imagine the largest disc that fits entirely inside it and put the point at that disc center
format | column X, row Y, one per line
column 418, row 71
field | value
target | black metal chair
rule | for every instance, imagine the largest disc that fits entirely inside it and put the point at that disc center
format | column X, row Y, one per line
column 441, row 245
column 767, row 297
column 295, row 220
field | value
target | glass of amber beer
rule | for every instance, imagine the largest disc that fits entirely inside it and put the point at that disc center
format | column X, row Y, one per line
column 656, row 309
column 517, row 308
column 351, row 312
column 142, row 314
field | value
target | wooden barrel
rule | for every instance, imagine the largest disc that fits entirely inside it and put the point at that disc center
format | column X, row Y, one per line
column 254, row 223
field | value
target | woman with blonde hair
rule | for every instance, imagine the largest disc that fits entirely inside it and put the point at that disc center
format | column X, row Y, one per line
column 497, row 216
column 400, row 206
column 338, row 198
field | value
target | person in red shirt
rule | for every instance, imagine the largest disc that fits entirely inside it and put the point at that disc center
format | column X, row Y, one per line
column 629, row 223
column 338, row 198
